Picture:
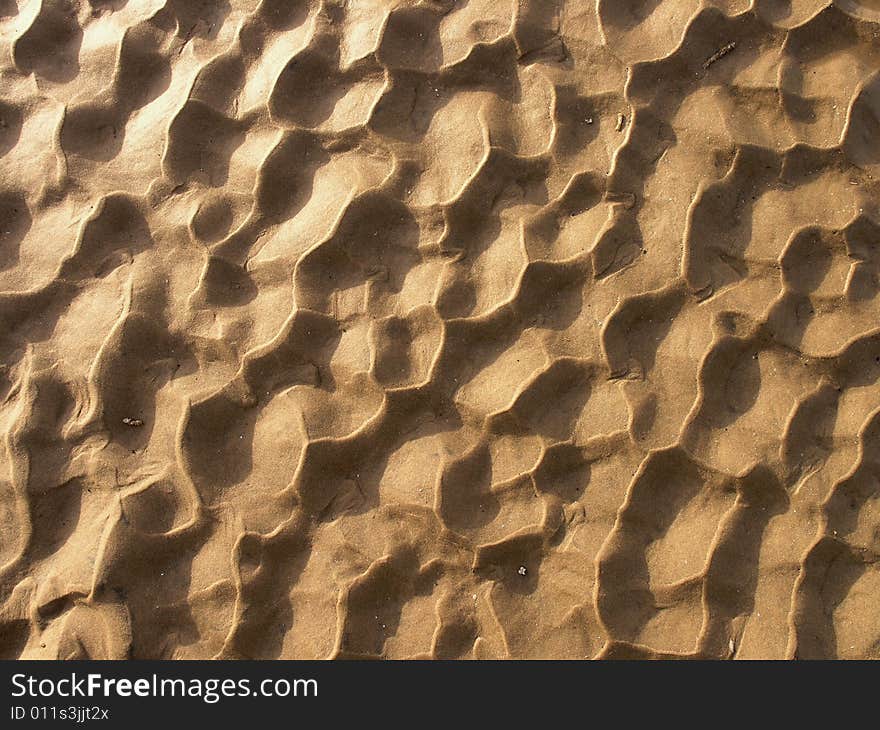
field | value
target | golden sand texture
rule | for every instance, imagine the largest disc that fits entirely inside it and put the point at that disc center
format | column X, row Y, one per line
column 475, row 329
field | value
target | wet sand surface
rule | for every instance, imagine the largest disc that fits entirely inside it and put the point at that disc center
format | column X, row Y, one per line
column 476, row 329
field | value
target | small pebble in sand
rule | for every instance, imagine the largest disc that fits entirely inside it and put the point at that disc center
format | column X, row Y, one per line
column 522, row 570
column 133, row 422
column 621, row 122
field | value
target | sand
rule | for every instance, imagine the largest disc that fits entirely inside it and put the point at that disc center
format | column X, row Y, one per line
column 434, row 329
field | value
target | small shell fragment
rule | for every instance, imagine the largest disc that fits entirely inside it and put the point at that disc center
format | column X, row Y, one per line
column 133, row 422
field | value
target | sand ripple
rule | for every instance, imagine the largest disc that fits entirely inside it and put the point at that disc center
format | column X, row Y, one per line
column 535, row 328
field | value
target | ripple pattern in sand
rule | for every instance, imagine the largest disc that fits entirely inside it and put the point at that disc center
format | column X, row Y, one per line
column 437, row 328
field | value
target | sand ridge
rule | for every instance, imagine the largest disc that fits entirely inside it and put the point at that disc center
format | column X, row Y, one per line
column 435, row 328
